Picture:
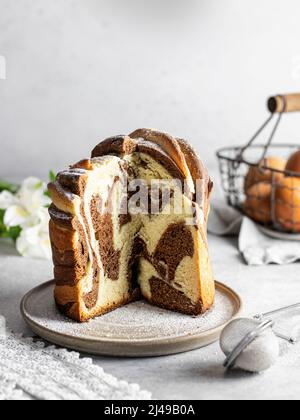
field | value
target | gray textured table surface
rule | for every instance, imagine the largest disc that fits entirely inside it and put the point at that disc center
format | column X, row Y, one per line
column 198, row 374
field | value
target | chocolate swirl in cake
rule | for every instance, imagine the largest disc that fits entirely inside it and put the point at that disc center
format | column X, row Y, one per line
column 164, row 259
column 92, row 223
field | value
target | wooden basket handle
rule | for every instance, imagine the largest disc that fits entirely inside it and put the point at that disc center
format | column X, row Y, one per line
column 284, row 103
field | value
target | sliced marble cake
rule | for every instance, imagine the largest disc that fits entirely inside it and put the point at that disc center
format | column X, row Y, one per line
column 130, row 223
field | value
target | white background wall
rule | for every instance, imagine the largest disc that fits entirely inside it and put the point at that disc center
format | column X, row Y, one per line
column 81, row 70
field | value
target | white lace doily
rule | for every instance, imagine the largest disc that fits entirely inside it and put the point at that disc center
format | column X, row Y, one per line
column 31, row 371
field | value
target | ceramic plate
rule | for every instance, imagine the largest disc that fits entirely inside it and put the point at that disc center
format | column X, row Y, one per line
column 136, row 330
column 280, row 235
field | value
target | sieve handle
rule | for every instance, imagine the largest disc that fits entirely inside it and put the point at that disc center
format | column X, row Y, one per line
column 284, row 103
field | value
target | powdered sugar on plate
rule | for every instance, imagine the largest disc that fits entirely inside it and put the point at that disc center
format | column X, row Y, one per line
column 138, row 321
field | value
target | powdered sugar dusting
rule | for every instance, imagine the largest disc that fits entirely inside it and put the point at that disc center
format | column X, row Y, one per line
column 134, row 322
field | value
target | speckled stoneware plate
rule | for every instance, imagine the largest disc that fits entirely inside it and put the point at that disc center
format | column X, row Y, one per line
column 280, row 235
column 136, row 330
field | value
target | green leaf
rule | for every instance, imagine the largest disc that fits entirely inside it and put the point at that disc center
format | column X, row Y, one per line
column 52, row 176
column 12, row 233
column 39, row 185
column 8, row 186
column 2, row 213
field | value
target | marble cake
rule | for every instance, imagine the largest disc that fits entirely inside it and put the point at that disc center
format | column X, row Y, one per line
column 107, row 254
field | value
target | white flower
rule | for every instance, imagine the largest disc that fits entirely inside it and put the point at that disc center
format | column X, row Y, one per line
column 34, row 241
column 16, row 215
column 32, row 195
column 7, row 199
column 23, row 208
column 27, row 209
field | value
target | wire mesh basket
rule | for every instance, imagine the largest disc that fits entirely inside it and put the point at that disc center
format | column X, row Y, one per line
column 263, row 180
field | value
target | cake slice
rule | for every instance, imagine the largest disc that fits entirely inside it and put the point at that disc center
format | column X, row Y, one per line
column 130, row 223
